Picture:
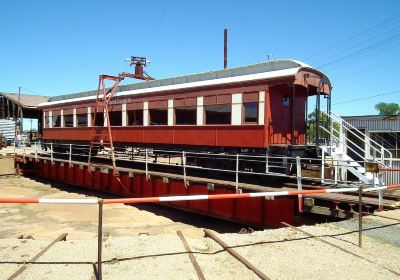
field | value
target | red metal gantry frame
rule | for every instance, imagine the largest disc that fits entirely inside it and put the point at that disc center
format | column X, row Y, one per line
column 103, row 98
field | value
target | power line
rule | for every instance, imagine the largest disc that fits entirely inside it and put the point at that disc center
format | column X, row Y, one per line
column 368, row 40
column 366, row 70
column 353, row 37
column 380, row 45
column 158, row 24
column 361, row 56
column 367, row 97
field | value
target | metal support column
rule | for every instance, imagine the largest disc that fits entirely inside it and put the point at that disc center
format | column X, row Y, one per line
column 317, row 116
column 237, row 173
column 100, row 241
column 359, row 216
column 299, row 184
column 184, row 167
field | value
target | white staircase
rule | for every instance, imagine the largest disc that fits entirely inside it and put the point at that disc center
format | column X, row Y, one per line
column 347, row 163
column 340, row 132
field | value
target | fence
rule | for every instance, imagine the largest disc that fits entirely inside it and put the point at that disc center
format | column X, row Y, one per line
column 235, row 164
column 392, row 177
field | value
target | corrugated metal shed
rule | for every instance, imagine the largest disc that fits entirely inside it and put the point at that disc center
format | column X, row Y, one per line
column 375, row 122
column 7, row 128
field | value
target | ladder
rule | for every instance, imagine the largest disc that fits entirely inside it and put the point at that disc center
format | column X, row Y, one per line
column 101, row 135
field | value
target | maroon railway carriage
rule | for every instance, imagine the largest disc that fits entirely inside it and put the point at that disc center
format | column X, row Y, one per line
column 242, row 109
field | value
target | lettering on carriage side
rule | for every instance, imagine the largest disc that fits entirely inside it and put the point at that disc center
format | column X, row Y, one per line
column 121, row 101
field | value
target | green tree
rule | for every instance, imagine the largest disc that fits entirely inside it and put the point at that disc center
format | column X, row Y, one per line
column 324, row 121
column 388, row 109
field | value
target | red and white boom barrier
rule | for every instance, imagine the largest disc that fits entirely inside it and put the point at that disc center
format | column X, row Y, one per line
column 389, row 169
column 186, row 197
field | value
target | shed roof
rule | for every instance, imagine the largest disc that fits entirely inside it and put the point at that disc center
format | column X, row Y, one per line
column 375, row 122
column 27, row 101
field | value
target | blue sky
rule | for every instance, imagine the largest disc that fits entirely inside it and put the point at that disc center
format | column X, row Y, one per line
column 58, row 47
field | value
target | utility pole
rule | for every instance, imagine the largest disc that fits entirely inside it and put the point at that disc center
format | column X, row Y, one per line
column 225, row 48
column 19, row 110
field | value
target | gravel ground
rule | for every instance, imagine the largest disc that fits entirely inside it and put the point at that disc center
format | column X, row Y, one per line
column 281, row 254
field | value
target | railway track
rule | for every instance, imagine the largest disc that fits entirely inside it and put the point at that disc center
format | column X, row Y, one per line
column 341, row 248
column 26, row 265
column 225, row 248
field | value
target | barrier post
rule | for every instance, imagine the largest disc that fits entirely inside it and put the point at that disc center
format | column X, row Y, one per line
column 237, row 172
column 70, row 154
column 266, row 163
column 331, row 134
column 299, row 184
column 35, row 150
column 380, row 193
column 51, row 152
column 184, row 167
column 147, row 166
column 336, row 172
column 360, row 216
column 323, row 167
column 100, row 241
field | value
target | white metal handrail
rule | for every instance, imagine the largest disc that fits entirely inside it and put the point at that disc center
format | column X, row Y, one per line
column 365, row 158
column 348, row 127
column 348, row 147
column 146, row 160
column 381, row 149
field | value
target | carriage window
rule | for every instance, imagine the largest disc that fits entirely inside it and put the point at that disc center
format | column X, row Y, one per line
column 250, row 112
column 135, row 117
column 285, row 101
column 158, row 116
column 56, row 121
column 82, row 120
column 68, row 121
column 46, row 122
column 185, row 115
column 218, row 114
column 99, row 119
column 115, row 118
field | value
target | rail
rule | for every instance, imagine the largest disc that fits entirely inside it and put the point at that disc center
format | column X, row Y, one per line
column 284, row 166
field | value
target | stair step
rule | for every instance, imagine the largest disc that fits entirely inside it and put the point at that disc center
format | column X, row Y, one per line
column 100, row 143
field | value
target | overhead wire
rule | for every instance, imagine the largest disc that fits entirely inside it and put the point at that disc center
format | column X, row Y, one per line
column 366, row 41
column 367, row 69
column 371, row 45
column 369, row 37
column 354, row 37
column 378, row 46
column 367, row 97
column 158, row 24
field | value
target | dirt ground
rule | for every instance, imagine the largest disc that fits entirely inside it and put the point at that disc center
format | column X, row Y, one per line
column 79, row 221
column 6, row 165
